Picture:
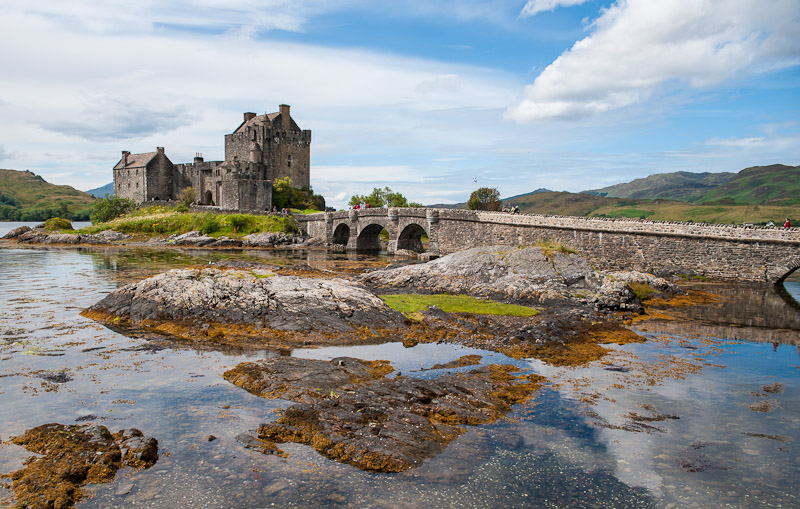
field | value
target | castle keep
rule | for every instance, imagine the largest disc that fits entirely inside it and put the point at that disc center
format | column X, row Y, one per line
column 262, row 149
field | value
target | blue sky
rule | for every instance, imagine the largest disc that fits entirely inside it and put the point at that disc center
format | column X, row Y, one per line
column 423, row 97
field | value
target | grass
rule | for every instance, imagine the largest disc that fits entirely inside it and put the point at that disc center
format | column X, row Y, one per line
column 642, row 290
column 411, row 304
column 162, row 221
column 548, row 248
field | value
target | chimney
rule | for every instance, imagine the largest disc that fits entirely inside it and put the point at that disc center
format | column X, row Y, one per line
column 285, row 115
column 125, row 155
column 249, row 115
column 198, row 157
column 160, row 150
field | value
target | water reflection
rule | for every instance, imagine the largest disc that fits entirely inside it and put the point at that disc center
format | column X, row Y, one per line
column 573, row 445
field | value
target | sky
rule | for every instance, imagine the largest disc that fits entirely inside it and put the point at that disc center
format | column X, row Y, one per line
column 432, row 99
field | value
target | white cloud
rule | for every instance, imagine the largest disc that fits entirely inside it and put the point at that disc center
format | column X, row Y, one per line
column 639, row 45
column 534, row 7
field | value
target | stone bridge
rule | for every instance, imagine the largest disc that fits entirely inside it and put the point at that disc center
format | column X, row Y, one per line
column 722, row 252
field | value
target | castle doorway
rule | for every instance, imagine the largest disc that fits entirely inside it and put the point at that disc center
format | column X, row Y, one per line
column 208, row 198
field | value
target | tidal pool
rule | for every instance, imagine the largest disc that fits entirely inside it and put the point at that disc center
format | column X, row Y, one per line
column 703, row 414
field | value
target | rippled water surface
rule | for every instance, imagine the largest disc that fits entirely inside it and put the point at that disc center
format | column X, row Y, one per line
column 667, row 423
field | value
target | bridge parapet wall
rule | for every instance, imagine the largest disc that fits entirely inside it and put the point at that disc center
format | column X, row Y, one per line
column 726, row 252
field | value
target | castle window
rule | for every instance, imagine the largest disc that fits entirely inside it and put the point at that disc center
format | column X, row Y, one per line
column 129, row 185
column 289, row 161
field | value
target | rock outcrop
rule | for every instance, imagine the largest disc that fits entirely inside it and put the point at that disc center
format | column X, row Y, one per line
column 348, row 411
column 26, row 235
column 257, row 301
column 517, row 274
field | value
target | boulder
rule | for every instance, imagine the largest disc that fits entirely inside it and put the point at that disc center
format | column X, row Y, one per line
column 272, row 239
column 192, row 238
column 111, row 236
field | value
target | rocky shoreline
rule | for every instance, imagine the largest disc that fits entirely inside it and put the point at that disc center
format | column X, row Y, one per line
column 38, row 236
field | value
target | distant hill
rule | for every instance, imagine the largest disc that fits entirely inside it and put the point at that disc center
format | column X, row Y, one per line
column 679, row 186
column 25, row 196
column 776, row 184
column 101, row 192
column 506, row 201
column 583, row 204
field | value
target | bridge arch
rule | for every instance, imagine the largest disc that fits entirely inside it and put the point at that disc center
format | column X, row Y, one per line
column 369, row 238
column 410, row 238
column 341, row 235
column 791, row 267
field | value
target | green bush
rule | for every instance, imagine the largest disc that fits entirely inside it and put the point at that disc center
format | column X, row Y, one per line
column 57, row 223
column 241, row 223
column 210, row 224
column 110, row 207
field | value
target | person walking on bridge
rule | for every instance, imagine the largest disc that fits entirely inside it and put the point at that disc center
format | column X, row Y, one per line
column 787, row 224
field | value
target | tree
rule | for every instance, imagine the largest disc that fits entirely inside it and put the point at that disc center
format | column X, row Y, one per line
column 110, row 207
column 484, row 198
column 284, row 194
column 382, row 198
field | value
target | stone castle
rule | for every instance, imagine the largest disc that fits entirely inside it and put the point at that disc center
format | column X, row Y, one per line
column 263, row 148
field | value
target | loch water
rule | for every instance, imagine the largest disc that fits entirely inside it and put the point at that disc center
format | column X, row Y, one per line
column 704, row 414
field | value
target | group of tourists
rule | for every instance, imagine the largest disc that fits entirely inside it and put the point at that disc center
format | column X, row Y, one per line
column 359, row 206
column 284, row 210
column 514, row 209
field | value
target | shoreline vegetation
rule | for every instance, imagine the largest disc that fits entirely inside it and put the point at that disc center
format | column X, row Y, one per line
column 159, row 220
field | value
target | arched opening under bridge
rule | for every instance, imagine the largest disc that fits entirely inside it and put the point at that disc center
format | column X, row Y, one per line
column 411, row 238
column 341, row 235
column 370, row 238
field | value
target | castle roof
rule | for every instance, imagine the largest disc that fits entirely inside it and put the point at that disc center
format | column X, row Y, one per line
column 136, row 160
column 268, row 118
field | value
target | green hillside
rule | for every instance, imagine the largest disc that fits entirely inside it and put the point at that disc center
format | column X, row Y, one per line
column 776, row 184
column 25, row 196
column 679, row 186
column 583, row 204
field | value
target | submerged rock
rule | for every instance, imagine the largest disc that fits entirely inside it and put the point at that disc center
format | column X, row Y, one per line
column 348, row 411
column 249, row 303
column 74, row 455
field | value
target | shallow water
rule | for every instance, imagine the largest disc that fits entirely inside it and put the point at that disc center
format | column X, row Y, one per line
column 576, row 444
